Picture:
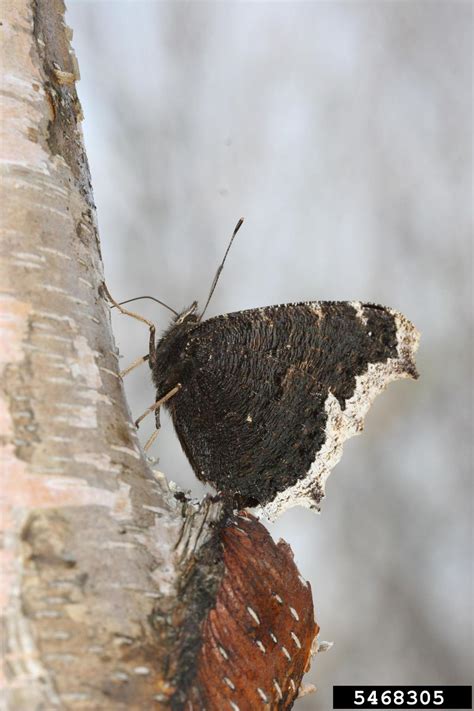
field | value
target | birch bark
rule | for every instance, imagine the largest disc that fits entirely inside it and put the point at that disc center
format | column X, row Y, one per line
column 89, row 531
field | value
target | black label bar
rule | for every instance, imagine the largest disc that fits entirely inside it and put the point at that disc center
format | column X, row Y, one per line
column 402, row 697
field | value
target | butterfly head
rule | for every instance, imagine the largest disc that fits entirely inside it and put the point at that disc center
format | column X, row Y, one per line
column 188, row 315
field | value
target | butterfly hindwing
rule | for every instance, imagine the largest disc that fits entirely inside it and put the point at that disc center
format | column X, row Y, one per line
column 270, row 394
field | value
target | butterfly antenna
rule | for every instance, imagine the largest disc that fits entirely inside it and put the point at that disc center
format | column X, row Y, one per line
column 221, row 265
column 136, row 298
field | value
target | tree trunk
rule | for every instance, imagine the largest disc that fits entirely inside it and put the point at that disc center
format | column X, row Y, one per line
column 89, row 530
column 96, row 548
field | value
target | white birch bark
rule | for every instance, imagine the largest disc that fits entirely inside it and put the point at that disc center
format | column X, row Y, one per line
column 89, row 531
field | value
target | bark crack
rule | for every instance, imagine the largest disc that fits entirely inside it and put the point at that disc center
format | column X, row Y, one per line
column 60, row 71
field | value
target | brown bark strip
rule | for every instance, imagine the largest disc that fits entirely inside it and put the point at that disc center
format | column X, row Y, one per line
column 257, row 639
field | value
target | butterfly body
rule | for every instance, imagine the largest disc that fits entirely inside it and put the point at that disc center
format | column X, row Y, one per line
column 269, row 395
column 171, row 363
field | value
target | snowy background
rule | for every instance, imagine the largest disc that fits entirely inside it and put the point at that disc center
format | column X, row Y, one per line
column 341, row 131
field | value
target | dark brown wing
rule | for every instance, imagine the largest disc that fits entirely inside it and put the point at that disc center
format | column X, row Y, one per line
column 274, row 391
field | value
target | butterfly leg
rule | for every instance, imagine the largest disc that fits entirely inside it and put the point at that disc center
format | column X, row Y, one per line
column 150, row 356
column 151, row 348
column 150, row 440
column 123, row 311
column 134, row 365
column 156, row 405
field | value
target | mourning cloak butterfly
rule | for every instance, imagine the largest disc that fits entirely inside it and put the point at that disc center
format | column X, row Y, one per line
column 262, row 400
column 269, row 395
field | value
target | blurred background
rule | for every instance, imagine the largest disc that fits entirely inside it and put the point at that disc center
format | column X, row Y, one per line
column 341, row 131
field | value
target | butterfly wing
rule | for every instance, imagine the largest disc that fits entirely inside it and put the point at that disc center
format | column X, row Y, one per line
column 274, row 392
